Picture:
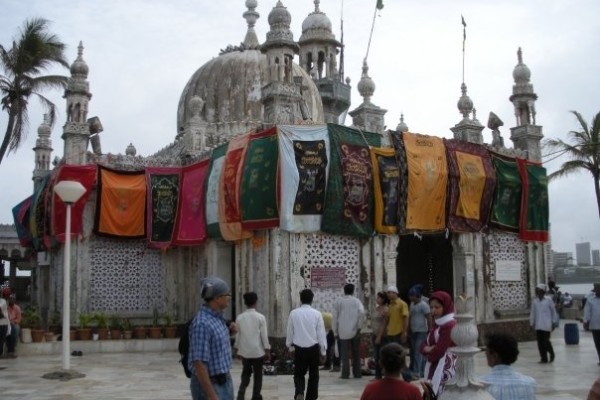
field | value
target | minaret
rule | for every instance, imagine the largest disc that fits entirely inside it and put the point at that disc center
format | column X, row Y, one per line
column 467, row 129
column 318, row 57
column 526, row 135
column 368, row 116
column 43, row 151
column 76, row 131
column 281, row 96
column 194, row 130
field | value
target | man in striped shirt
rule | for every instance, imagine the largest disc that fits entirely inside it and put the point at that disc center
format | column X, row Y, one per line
column 503, row 382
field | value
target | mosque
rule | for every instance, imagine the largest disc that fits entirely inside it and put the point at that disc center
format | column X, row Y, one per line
column 261, row 91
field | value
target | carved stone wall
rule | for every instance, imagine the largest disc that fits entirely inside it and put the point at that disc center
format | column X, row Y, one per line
column 506, row 295
column 125, row 277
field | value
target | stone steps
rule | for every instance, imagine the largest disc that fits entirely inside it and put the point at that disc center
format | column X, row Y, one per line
column 99, row 346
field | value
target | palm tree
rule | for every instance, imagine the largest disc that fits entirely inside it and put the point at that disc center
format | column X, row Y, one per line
column 34, row 51
column 584, row 152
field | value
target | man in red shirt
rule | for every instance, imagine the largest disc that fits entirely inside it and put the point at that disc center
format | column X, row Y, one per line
column 14, row 315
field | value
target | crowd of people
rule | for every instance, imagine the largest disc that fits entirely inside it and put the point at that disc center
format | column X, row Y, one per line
column 331, row 340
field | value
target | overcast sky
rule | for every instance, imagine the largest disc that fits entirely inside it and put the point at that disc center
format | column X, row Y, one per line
column 142, row 53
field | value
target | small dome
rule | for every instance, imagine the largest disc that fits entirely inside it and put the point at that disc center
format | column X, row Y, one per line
column 79, row 67
column 130, row 150
column 465, row 104
column 402, row 127
column 251, row 3
column 279, row 15
column 521, row 73
column 45, row 129
column 317, row 26
column 366, row 86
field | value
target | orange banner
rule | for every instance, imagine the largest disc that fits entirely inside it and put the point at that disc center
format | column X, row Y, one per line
column 427, row 181
column 472, row 183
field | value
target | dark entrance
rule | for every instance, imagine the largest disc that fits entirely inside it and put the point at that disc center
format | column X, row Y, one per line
column 426, row 260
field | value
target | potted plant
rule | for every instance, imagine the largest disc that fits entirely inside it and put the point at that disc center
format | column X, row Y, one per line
column 84, row 332
column 101, row 321
column 35, row 323
column 30, row 318
column 170, row 329
column 154, row 332
column 55, row 323
column 127, row 329
column 139, row 332
column 116, row 325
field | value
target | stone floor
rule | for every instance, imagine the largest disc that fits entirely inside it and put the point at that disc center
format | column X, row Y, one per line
column 158, row 375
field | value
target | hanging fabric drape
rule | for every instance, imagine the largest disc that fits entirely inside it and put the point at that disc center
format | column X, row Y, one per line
column 190, row 228
column 212, row 191
column 386, row 183
column 163, row 186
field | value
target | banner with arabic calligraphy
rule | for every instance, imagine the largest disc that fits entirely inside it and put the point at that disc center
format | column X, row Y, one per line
column 386, row 181
column 506, row 205
column 162, row 206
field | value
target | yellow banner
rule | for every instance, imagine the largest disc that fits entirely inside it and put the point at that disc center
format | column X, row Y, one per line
column 471, row 185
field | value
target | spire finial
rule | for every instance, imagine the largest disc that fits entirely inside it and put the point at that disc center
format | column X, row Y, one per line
column 520, row 55
column 317, row 2
column 80, row 49
column 251, row 15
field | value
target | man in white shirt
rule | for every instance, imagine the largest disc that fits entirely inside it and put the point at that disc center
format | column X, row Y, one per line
column 307, row 340
column 591, row 317
column 252, row 345
column 543, row 318
column 348, row 314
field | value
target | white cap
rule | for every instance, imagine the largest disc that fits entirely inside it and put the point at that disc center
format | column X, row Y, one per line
column 541, row 286
column 392, row 288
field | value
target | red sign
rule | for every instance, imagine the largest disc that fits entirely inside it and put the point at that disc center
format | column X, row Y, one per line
column 328, row 277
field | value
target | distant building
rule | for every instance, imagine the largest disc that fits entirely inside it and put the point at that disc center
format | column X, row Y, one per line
column 562, row 259
column 583, row 251
column 596, row 257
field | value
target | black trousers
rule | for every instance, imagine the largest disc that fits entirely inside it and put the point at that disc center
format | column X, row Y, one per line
column 249, row 366
column 306, row 359
column 3, row 330
column 596, row 336
column 330, row 358
column 544, row 345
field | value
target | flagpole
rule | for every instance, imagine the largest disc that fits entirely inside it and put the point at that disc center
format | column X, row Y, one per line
column 463, row 50
column 371, row 34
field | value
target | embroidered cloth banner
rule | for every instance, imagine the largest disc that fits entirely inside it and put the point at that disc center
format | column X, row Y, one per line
column 39, row 223
column 212, row 191
column 506, row 206
column 471, row 184
column 84, row 174
column 534, row 202
column 349, row 195
column 260, row 182
column 427, row 180
column 400, row 150
column 304, row 164
column 230, row 215
column 121, row 204
column 21, row 217
column 386, row 181
column 190, row 228
column 162, row 205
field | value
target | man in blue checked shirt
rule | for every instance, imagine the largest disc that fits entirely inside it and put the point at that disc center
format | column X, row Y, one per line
column 503, row 382
column 210, row 347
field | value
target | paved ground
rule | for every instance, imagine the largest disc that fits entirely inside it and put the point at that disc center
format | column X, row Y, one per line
column 131, row 376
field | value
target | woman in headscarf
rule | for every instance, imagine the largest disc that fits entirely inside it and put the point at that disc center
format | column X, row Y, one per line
column 441, row 364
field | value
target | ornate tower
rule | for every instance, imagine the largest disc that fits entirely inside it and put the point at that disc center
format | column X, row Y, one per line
column 43, row 151
column 526, row 135
column 76, row 131
column 368, row 116
column 467, row 129
column 318, row 57
column 402, row 127
column 281, row 97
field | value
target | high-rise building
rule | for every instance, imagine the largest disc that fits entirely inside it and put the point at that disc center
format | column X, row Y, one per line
column 562, row 259
column 596, row 258
column 583, row 251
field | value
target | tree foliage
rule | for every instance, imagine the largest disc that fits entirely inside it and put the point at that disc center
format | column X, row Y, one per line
column 23, row 63
column 583, row 149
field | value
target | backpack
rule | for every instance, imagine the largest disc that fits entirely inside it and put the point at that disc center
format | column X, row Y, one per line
column 184, row 347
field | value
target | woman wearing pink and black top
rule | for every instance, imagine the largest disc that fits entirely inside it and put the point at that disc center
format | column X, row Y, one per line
column 441, row 364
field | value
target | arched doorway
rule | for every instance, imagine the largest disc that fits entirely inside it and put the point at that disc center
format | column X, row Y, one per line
column 425, row 259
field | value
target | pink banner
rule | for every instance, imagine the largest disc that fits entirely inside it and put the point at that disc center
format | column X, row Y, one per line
column 190, row 229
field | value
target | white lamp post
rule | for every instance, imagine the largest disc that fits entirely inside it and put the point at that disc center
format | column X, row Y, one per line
column 69, row 192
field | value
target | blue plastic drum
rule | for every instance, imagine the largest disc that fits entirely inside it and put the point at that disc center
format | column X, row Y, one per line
column 571, row 333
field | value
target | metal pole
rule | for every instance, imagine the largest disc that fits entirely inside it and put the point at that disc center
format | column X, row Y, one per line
column 66, row 338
